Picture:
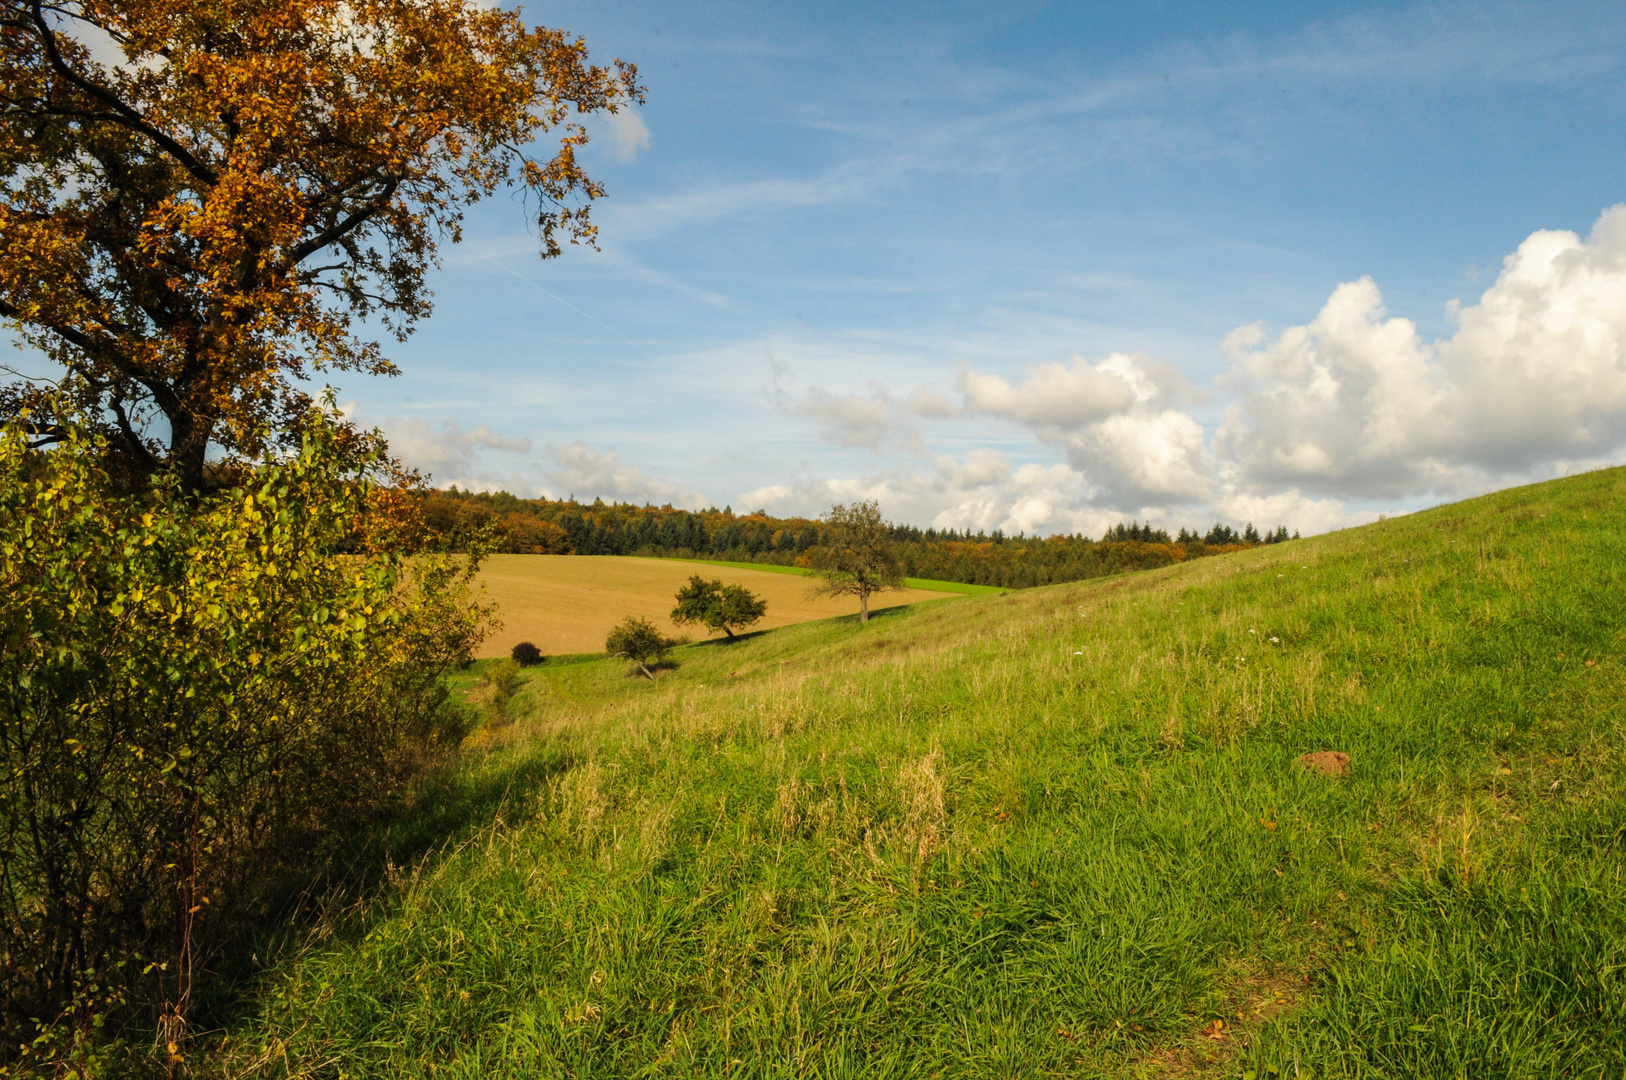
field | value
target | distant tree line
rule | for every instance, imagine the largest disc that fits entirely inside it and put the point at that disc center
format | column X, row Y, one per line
column 456, row 520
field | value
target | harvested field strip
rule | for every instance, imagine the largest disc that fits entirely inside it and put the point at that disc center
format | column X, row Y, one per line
column 568, row 603
column 926, row 584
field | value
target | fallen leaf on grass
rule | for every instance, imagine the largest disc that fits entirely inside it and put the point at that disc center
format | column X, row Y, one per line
column 1271, row 825
column 1215, row 1031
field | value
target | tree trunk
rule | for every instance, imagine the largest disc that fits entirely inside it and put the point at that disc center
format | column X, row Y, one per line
column 863, row 607
column 188, row 447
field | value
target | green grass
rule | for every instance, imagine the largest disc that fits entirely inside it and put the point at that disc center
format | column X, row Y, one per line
column 1058, row 832
column 929, row 584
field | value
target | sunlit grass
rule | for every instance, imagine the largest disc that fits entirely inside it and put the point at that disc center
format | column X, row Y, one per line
column 1055, row 832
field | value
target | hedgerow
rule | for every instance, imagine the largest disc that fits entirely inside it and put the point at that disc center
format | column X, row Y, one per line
column 200, row 696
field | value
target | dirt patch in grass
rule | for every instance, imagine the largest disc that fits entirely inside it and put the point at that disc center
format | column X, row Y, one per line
column 1325, row 762
column 1210, row 1050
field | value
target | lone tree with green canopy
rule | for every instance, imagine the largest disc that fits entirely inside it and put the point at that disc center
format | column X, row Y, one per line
column 857, row 557
column 717, row 606
column 641, row 642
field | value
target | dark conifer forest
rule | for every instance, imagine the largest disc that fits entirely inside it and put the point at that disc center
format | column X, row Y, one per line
column 458, row 520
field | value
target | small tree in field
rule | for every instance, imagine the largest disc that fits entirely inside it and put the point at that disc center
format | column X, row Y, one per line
column 858, row 557
column 640, row 641
column 717, row 606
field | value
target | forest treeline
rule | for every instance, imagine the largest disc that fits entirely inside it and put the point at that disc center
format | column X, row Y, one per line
column 458, row 520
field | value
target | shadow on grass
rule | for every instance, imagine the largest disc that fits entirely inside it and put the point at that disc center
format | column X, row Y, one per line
column 879, row 613
column 848, row 620
column 453, row 801
column 440, row 808
column 742, row 636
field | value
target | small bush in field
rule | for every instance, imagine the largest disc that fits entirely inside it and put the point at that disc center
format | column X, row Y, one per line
column 527, row 655
column 639, row 641
column 501, row 678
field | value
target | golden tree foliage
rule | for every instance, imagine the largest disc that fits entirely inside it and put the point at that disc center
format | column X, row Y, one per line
column 193, row 226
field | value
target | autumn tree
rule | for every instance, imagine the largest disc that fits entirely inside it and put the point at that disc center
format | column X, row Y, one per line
column 858, row 557
column 717, row 606
column 205, row 199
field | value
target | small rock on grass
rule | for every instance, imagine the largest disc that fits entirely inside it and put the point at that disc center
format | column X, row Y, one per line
column 1325, row 762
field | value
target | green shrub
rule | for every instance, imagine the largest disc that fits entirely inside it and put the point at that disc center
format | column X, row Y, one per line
column 199, row 696
column 501, row 678
column 526, row 654
column 641, row 642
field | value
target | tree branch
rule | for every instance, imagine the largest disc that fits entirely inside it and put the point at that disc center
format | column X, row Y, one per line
column 339, row 230
column 132, row 440
column 123, row 113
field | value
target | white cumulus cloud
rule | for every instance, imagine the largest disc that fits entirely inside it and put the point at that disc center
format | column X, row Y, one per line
column 589, row 474
column 1357, row 403
column 980, row 493
column 1114, row 421
column 1058, row 397
column 852, row 419
column 1324, row 424
column 1138, row 458
column 449, row 454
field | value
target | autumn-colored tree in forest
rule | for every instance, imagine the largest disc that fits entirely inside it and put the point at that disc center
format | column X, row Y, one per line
column 203, row 197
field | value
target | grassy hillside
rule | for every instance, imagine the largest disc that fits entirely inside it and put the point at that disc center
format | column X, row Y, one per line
column 1052, row 833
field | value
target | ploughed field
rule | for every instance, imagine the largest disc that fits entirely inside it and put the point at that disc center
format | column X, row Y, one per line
column 569, row 603
column 1060, row 832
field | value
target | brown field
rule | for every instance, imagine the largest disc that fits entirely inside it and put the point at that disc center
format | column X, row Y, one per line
column 568, row 603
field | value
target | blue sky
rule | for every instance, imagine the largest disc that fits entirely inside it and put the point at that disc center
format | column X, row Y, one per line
column 982, row 263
